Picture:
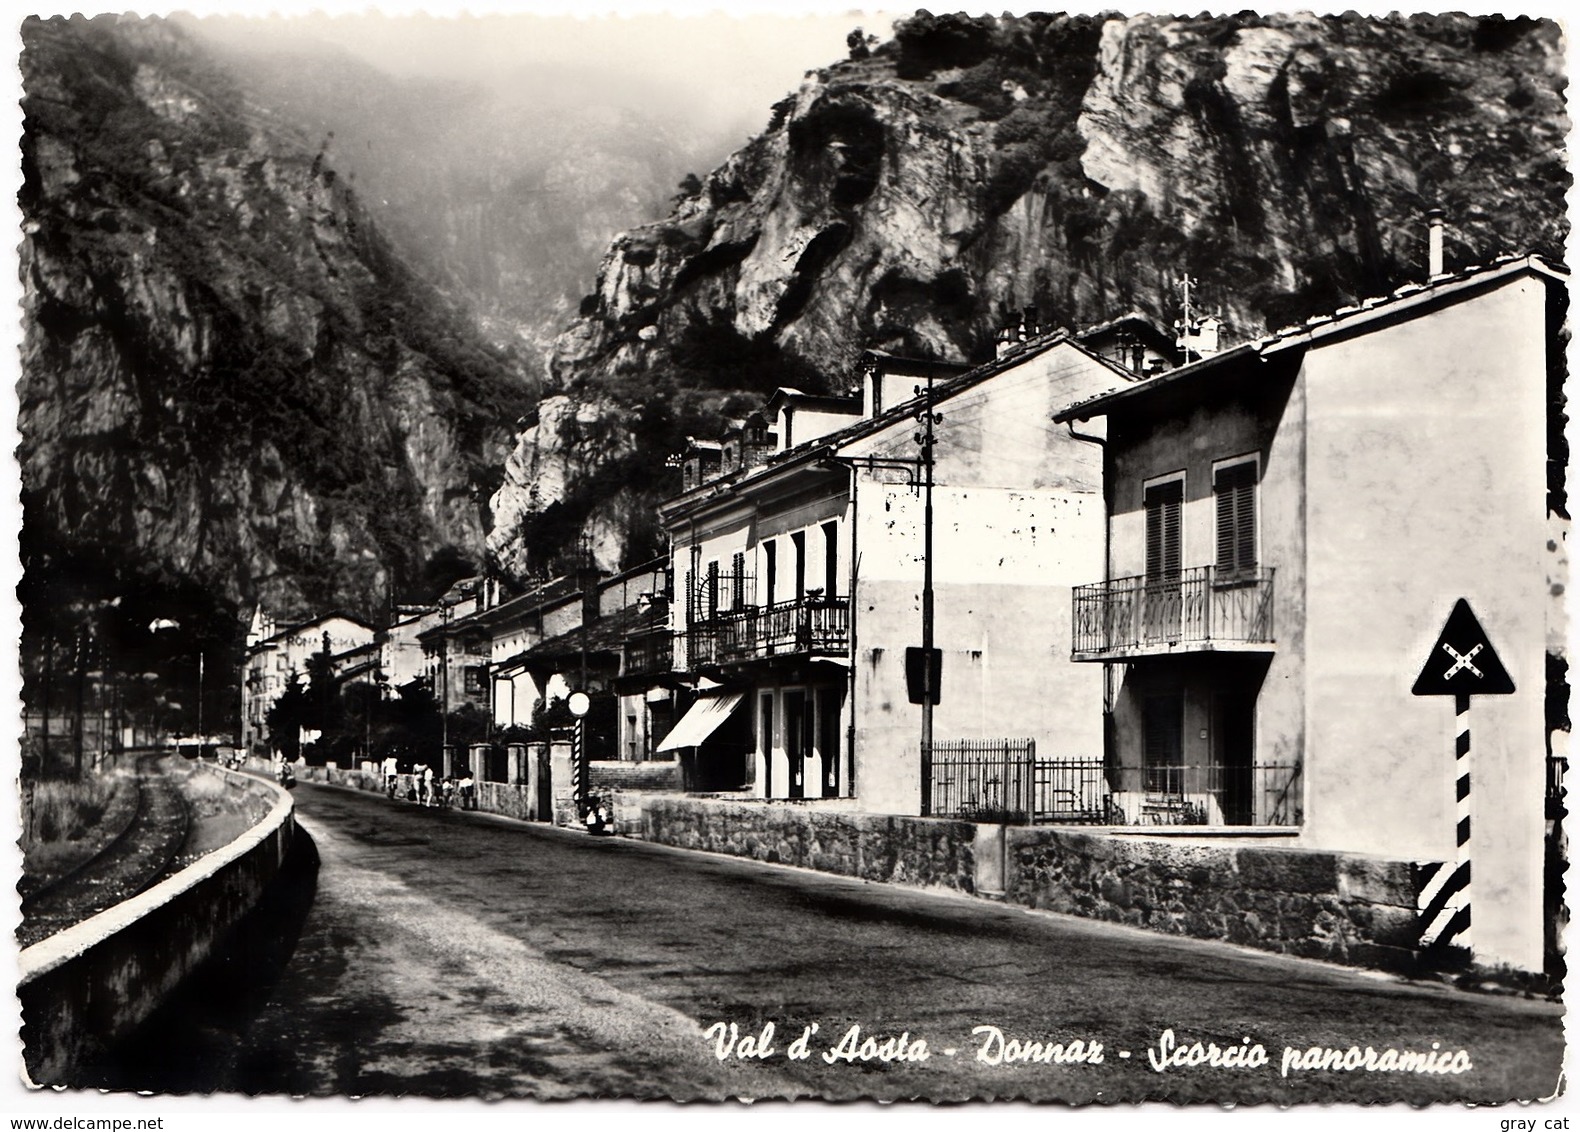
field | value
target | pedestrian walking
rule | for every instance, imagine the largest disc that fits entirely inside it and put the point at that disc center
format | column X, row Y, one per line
column 468, row 791
column 427, row 786
column 391, row 775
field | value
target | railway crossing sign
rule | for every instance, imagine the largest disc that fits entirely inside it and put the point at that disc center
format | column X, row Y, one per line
column 1463, row 661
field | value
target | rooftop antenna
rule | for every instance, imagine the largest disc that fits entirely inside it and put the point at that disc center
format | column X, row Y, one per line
column 1186, row 283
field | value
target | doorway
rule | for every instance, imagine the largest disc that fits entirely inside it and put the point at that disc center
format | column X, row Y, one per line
column 1234, row 743
column 798, row 740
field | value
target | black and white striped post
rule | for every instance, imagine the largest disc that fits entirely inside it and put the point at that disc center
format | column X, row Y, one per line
column 1462, row 662
column 579, row 703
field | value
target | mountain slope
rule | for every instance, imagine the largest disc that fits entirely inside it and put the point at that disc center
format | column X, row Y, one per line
column 503, row 193
column 229, row 380
column 907, row 200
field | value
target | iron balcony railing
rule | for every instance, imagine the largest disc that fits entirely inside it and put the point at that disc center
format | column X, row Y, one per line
column 1003, row 780
column 1197, row 609
column 649, row 653
column 806, row 625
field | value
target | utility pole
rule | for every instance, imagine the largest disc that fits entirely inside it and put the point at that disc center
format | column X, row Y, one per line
column 200, row 698
column 583, row 772
column 927, row 419
column 1186, row 283
column 444, row 678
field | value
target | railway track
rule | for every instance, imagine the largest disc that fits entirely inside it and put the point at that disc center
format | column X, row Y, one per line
column 136, row 860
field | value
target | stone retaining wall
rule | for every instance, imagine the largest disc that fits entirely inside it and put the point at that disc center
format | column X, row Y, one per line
column 1316, row 904
column 83, row 988
column 1276, row 897
column 492, row 797
column 926, row 852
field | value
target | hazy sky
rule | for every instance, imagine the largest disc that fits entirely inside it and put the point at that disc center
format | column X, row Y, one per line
column 723, row 67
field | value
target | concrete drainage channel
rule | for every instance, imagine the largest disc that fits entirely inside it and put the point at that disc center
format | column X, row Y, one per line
column 88, row 986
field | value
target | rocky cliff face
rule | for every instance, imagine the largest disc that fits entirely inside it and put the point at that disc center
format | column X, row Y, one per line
column 906, row 201
column 501, row 193
column 229, row 381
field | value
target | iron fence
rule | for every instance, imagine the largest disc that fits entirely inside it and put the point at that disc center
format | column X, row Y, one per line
column 1070, row 790
column 1255, row 794
column 1003, row 780
column 1197, row 607
column 982, row 779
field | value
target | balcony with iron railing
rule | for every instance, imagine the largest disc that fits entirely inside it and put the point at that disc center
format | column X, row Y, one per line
column 650, row 652
column 812, row 625
column 1197, row 610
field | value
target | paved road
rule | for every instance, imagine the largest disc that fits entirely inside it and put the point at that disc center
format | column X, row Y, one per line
column 449, row 953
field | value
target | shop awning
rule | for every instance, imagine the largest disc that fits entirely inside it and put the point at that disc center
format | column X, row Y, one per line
column 701, row 720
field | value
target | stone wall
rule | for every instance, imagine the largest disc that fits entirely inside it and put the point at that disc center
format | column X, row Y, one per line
column 926, row 852
column 1316, row 904
column 654, row 775
column 1312, row 903
column 88, row 986
column 492, row 797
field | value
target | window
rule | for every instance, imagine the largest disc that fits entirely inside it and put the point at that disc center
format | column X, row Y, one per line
column 1163, row 502
column 1234, row 492
column 830, row 560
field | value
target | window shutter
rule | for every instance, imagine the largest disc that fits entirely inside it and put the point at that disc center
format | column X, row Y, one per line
column 1235, row 491
column 1226, row 525
column 1163, row 529
column 738, row 580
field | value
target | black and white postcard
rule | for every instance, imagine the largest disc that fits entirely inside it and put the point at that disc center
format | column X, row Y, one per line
column 791, row 556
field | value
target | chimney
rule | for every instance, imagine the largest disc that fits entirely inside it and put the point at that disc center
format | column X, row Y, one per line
column 1434, row 243
column 1003, row 340
column 587, row 578
column 872, row 388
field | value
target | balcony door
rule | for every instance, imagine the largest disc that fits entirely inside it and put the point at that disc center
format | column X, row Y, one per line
column 798, row 740
column 829, row 746
column 1163, row 727
column 1234, row 737
column 1162, row 607
column 765, row 731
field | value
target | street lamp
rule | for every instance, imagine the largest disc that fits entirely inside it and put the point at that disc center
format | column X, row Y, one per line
column 579, row 703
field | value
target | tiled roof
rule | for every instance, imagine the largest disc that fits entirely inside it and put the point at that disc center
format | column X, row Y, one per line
column 1345, row 320
column 1013, row 355
column 605, row 635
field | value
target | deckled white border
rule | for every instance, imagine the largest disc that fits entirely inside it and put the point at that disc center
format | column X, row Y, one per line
column 189, row 1114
